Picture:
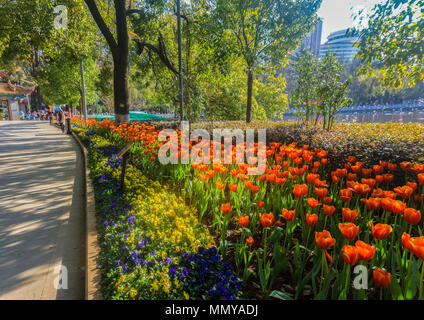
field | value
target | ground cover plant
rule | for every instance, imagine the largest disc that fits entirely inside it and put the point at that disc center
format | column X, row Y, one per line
column 152, row 244
column 293, row 233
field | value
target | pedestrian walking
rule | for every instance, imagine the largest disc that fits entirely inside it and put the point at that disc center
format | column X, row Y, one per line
column 62, row 120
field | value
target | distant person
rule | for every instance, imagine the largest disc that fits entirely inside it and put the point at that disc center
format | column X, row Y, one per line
column 62, row 120
column 51, row 117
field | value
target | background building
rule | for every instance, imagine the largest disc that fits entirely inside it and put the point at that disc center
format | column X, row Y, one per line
column 312, row 41
column 341, row 44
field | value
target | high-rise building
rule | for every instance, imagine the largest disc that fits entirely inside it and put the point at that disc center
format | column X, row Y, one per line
column 342, row 44
column 312, row 41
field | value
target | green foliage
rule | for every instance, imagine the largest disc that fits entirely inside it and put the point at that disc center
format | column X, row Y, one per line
column 331, row 90
column 321, row 88
column 269, row 94
column 60, row 81
column 261, row 32
column 306, row 94
column 394, row 39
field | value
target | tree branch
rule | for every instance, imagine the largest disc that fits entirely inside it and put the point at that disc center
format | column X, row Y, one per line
column 102, row 25
column 160, row 50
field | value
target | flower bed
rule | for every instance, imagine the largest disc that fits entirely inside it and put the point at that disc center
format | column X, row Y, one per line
column 152, row 244
column 292, row 233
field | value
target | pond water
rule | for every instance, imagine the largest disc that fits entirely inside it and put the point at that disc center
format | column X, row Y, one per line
column 417, row 116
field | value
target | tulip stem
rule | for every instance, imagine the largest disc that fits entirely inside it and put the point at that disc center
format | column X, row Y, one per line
column 393, row 234
column 322, row 270
column 347, row 285
column 420, row 297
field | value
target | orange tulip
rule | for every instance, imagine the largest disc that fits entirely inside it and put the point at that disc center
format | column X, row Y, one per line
column 248, row 184
column 377, row 169
column 254, row 189
column 312, row 202
column 350, row 215
column 220, row 185
column 345, row 195
column 412, row 216
column 405, row 165
column 406, row 241
column 372, row 203
column 388, row 177
column 387, row 204
column 381, row 278
column 356, row 168
column 327, row 200
column 361, row 189
column 404, row 192
column 350, row 254
column 351, row 159
column 418, row 199
column 267, row 219
column 398, row 206
column 379, row 178
column 233, row 187
column 417, row 246
column 351, row 176
column 329, row 210
column 349, row 230
column 366, row 251
column 311, row 219
column 392, row 166
column 412, row 185
column 261, row 204
column 369, row 182
column 288, row 215
column 226, row 208
column 324, row 239
column 380, row 231
column 300, row 190
column 340, row 173
column 420, row 177
column 243, row 220
column 366, row 172
column 321, row 192
column 310, row 178
column 250, row 241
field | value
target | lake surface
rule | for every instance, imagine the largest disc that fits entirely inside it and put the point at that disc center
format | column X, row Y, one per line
column 417, row 116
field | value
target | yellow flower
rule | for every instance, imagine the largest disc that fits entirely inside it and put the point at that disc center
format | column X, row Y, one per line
column 186, row 296
column 133, row 293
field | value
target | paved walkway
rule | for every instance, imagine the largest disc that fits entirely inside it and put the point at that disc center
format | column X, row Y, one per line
column 42, row 218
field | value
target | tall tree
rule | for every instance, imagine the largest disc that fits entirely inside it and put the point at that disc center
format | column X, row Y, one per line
column 305, row 94
column 394, row 39
column 119, row 48
column 332, row 90
column 263, row 32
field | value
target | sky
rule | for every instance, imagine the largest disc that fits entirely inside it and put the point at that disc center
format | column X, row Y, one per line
column 338, row 14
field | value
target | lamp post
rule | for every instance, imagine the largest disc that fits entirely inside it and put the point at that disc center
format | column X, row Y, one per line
column 84, row 103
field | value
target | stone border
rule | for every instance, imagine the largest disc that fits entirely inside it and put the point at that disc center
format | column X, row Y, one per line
column 92, row 270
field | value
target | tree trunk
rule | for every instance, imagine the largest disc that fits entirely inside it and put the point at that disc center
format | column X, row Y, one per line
column 35, row 96
column 121, row 90
column 249, row 94
column 121, row 63
column 120, row 53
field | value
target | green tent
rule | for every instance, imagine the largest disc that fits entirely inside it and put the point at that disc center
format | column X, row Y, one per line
column 134, row 115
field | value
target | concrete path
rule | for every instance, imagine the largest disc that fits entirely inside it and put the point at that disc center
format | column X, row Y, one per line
column 42, row 220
